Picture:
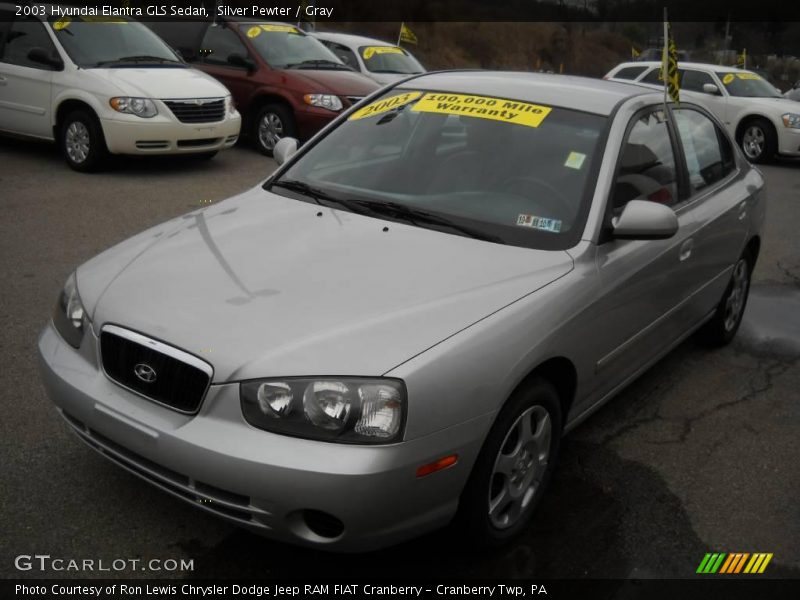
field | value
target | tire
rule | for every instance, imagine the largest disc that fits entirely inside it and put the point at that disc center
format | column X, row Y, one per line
column 272, row 122
column 758, row 140
column 722, row 327
column 82, row 142
column 508, row 480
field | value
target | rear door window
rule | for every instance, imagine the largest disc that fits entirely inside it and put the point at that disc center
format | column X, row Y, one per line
column 709, row 156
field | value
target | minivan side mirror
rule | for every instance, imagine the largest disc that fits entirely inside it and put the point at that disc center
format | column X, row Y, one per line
column 43, row 57
column 710, row 88
column 645, row 220
column 284, row 149
column 237, row 60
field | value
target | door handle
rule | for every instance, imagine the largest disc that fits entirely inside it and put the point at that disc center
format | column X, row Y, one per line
column 743, row 211
column 686, row 249
column 3, row 81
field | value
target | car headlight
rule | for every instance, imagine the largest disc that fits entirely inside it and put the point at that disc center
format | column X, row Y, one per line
column 791, row 120
column 230, row 105
column 328, row 101
column 350, row 410
column 69, row 317
column 141, row 107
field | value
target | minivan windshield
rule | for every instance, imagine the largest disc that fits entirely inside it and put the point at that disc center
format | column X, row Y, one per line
column 389, row 59
column 112, row 42
column 748, row 85
column 286, row 47
column 497, row 169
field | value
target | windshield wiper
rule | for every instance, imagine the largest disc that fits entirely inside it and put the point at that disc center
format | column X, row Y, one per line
column 416, row 216
column 319, row 63
column 136, row 59
column 317, row 195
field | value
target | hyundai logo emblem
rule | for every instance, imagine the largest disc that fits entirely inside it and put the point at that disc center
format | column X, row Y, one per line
column 145, row 372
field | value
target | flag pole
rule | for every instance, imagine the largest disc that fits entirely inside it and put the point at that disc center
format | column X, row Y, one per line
column 400, row 35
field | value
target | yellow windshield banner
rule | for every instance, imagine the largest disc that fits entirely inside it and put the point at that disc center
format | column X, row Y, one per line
column 371, row 51
column 284, row 28
column 484, row 107
column 384, row 105
column 747, row 76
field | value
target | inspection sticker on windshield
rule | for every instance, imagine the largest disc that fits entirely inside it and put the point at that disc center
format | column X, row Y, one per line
column 541, row 223
column 369, row 51
column 384, row 105
column 484, row 107
column 575, row 160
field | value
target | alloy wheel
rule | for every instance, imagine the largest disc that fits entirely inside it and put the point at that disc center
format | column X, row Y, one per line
column 519, row 467
column 270, row 130
column 734, row 303
column 753, row 141
column 76, row 142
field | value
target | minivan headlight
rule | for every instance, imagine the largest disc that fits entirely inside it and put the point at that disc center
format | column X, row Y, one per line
column 328, row 101
column 791, row 120
column 230, row 105
column 350, row 410
column 141, row 107
column 69, row 316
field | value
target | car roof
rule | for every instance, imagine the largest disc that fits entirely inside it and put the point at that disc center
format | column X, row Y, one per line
column 577, row 93
column 350, row 39
column 682, row 64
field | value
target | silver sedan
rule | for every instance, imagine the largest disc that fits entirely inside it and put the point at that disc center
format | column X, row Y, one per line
column 396, row 329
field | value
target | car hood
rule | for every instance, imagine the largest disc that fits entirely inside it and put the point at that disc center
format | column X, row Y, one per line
column 384, row 78
column 263, row 286
column 161, row 82
column 341, row 83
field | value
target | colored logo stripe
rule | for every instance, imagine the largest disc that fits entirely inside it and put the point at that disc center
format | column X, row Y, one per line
column 735, row 562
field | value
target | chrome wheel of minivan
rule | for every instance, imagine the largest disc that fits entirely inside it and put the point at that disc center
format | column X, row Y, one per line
column 77, row 141
column 734, row 303
column 270, row 130
column 271, row 123
column 520, row 466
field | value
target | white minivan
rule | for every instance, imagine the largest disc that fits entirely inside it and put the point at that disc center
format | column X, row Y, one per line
column 100, row 85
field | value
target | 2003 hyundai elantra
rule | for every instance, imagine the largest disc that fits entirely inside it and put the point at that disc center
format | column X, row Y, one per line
column 396, row 329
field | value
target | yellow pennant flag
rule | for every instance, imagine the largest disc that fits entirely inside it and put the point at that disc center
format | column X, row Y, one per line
column 670, row 66
column 635, row 53
column 741, row 60
column 406, row 35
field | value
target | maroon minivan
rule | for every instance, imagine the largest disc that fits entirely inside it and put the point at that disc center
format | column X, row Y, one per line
column 284, row 82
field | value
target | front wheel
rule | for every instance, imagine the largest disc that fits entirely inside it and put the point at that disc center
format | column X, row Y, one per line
column 273, row 122
column 82, row 141
column 758, row 141
column 513, row 468
column 720, row 330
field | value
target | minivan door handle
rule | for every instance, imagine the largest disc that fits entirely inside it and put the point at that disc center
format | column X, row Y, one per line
column 686, row 249
column 3, row 80
column 743, row 211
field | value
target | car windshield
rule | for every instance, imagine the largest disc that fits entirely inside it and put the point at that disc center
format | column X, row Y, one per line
column 389, row 59
column 748, row 85
column 111, row 42
column 286, row 47
column 497, row 169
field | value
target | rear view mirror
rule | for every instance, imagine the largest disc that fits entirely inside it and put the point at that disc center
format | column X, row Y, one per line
column 645, row 220
column 237, row 60
column 284, row 149
column 710, row 88
column 43, row 57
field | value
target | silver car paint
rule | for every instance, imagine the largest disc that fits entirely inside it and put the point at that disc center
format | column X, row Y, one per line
column 461, row 341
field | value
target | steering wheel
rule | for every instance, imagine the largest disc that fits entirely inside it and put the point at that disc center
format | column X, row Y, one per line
column 552, row 201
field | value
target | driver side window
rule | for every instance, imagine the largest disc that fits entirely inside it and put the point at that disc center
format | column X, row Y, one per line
column 218, row 44
column 647, row 164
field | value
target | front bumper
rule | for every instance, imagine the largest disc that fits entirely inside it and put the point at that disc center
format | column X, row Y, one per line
column 164, row 135
column 788, row 141
column 264, row 482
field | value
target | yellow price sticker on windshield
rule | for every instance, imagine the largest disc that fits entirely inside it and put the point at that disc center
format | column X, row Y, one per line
column 728, row 78
column 384, row 105
column 747, row 76
column 284, row 28
column 484, row 107
column 253, row 32
column 371, row 51
column 62, row 23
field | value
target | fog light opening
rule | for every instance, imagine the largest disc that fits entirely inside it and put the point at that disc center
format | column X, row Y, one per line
column 323, row 524
column 443, row 463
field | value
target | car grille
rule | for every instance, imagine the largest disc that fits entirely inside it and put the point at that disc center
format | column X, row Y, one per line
column 198, row 110
column 154, row 370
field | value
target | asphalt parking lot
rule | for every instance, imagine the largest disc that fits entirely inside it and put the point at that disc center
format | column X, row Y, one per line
column 699, row 455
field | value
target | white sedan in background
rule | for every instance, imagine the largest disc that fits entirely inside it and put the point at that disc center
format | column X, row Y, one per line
column 762, row 122
column 380, row 61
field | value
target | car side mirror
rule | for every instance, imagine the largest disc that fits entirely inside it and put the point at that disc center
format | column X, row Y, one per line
column 237, row 60
column 284, row 149
column 645, row 220
column 43, row 57
column 710, row 88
